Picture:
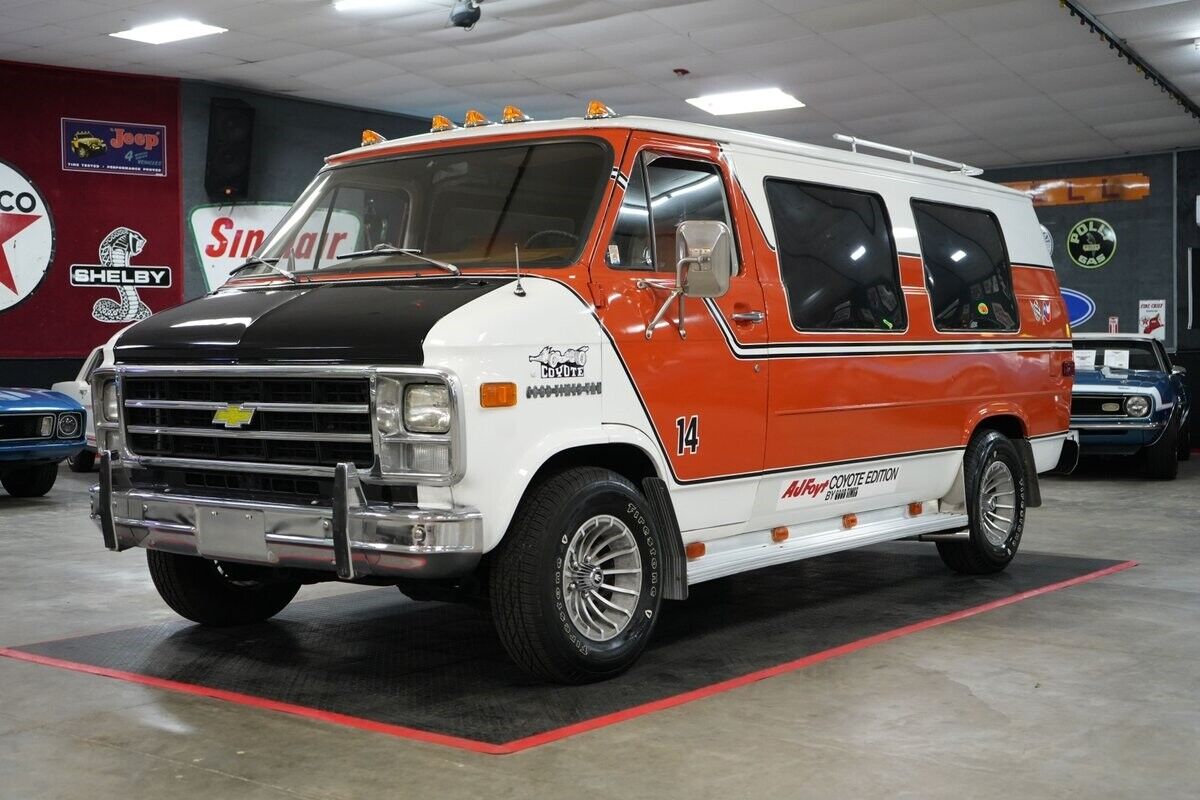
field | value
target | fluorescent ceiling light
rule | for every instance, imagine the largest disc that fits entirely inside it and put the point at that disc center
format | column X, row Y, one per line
column 745, row 102
column 957, row 256
column 858, row 253
column 368, row 5
column 171, row 30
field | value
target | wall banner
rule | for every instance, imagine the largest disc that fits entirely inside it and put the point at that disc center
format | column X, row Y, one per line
column 1152, row 318
column 1091, row 243
column 124, row 148
column 26, row 236
column 1080, row 307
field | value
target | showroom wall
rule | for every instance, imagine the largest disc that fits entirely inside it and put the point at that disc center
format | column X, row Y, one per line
column 1187, row 258
column 1131, row 201
column 291, row 139
column 89, row 212
column 47, row 324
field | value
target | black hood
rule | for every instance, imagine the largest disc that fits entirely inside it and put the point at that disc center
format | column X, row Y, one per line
column 376, row 322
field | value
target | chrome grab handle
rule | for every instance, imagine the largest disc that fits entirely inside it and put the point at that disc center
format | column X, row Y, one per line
column 749, row 316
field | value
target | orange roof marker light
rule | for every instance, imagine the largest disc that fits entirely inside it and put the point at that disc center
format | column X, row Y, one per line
column 513, row 114
column 441, row 123
column 475, row 119
column 597, row 110
column 371, row 137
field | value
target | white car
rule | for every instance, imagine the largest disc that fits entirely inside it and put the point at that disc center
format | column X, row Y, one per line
column 80, row 389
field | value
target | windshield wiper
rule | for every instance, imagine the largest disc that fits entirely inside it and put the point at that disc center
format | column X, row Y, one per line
column 269, row 263
column 389, row 250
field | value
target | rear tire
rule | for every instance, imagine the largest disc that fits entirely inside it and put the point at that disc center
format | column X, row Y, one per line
column 31, row 481
column 83, row 461
column 197, row 589
column 575, row 585
column 1160, row 461
column 995, row 488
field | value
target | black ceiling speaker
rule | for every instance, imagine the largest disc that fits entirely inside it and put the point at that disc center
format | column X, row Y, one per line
column 227, row 162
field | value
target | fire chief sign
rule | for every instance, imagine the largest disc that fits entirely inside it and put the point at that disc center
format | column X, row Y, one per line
column 226, row 236
column 26, row 237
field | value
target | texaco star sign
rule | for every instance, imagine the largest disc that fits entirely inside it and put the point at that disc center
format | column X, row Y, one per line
column 26, row 237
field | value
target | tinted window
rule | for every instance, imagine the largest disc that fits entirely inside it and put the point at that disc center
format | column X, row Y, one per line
column 675, row 190
column 966, row 268
column 681, row 190
column 836, row 257
column 630, row 246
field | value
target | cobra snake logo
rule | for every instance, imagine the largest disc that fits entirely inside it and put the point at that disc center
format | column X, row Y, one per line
column 115, row 251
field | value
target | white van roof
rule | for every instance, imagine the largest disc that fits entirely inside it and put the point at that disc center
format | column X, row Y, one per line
column 730, row 136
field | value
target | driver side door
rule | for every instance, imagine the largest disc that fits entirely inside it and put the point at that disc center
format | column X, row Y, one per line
column 705, row 397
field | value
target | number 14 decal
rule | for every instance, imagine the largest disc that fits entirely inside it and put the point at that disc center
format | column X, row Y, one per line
column 688, row 440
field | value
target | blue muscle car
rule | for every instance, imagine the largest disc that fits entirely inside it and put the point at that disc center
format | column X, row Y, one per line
column 38, row 429
column 1128, row 399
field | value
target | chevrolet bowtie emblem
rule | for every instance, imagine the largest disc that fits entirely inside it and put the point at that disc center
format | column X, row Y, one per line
column 233, row 416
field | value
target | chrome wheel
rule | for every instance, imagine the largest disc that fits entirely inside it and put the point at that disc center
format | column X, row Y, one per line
column 602, row 578
column 997, row 504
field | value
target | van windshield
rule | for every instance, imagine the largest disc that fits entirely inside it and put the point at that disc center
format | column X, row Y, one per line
column 467, row 207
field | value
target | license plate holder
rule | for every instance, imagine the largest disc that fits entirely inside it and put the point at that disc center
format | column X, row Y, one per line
column 231, row 533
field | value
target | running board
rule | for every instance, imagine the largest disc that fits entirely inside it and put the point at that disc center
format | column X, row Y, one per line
column 755, row 550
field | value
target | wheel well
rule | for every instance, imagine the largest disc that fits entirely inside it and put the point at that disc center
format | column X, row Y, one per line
column 1010, row 426
column 624, row 459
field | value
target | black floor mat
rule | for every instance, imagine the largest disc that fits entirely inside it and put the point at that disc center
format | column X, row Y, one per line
column 440, row 668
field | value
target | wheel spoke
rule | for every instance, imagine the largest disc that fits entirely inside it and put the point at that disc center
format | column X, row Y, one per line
column 618, row 589
column 594, row 549
column 622, row 571
column 611, row 604
column 619, row 553
column 599, row 613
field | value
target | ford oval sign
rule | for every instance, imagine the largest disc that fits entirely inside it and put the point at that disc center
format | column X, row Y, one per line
column 1080, row 307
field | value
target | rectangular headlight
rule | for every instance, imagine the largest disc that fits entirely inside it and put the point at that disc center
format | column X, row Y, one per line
column 110, row 409
column 427, row 408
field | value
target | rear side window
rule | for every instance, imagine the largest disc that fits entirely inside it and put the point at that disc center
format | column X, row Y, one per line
column 836, row 257
column 966, row 268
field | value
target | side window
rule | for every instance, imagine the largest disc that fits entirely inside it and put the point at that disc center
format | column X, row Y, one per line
column 675, row 190
column 966, row 268
column 631, row 246
column 682, row 190
column 836, row 257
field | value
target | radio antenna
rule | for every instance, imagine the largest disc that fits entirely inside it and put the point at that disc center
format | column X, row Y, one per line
column 518, row 290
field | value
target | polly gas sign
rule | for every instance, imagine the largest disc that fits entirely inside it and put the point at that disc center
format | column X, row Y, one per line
column 125, row 148
column 226, row 236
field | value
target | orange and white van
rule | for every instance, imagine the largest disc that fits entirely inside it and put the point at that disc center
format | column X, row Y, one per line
column 574, row 367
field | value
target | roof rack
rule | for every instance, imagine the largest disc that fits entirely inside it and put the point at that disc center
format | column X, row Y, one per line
column 912, row 155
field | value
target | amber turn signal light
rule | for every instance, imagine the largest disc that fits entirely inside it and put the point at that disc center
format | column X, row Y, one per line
column 915, row 509
column 371, row 137
column 441, row 123
column 475, row 119
column 694, row 550
column 497, row 395
column 779, row 535
column 849, row 520
column 597, row 110
column 513, row 114
column 1068, row 368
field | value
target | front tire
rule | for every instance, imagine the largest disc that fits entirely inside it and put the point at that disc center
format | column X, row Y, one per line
column 31, row 481
column 576, row 583
column 199, row 590
column 83, row 461
column 995, row 486
column 1160, row 461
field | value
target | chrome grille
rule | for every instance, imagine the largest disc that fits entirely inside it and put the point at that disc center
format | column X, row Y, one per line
column 298, row 421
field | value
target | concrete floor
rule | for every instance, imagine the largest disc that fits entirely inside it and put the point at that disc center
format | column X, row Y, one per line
column 1093, row 691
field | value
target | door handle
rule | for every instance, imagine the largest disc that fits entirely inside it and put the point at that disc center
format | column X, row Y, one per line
column 749, row 316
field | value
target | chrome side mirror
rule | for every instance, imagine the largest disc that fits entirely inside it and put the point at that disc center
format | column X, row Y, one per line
column 704, row 257
column 1178, row 370
column 703, row 267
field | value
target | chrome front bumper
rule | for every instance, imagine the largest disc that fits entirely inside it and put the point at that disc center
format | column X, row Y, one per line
column 353, row 539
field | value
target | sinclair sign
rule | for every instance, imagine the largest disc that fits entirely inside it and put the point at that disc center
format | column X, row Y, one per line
column 225, row 236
